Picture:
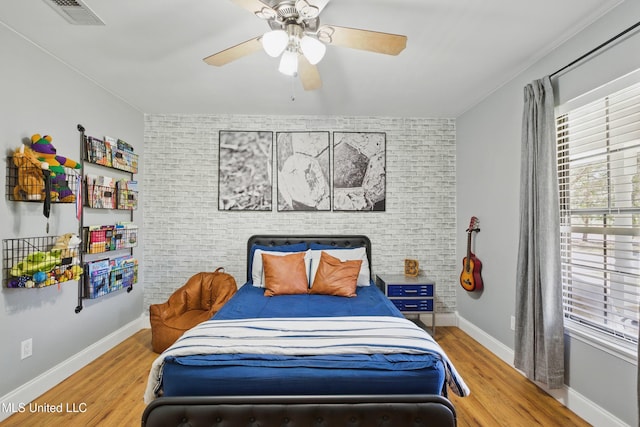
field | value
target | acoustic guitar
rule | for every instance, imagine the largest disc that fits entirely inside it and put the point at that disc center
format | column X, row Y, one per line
column 470, row 278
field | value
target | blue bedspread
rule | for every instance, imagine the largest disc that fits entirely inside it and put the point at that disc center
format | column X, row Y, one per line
column 249, row 302
column 259, row 374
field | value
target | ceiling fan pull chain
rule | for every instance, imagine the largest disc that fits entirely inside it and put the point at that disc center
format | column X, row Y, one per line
column 293, row 88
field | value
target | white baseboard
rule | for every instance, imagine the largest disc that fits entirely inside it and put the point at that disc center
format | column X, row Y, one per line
column 576, row 402
column 487, row 341
column 146, row 320
column 26, row 393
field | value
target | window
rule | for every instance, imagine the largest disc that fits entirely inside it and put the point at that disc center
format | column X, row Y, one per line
column 599, row 183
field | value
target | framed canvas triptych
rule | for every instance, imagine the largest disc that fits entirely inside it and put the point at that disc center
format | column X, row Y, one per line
column 304, row 179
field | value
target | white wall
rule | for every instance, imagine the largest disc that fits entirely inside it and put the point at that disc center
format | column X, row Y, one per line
column 185, row 232
column 42, row 95
column 488, row 154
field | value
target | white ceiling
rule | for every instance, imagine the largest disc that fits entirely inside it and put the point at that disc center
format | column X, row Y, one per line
column 150, row 53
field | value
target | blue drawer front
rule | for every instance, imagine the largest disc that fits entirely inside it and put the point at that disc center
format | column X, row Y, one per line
column 410, row 290
column 413, row 304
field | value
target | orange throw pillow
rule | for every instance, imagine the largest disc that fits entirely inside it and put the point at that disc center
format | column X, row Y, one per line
column 285, row 275
column 335, row 277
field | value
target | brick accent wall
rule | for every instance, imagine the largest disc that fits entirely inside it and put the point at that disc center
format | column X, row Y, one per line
column 184, row 232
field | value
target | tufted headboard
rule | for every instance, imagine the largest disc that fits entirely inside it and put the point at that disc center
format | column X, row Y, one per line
column 339, row 241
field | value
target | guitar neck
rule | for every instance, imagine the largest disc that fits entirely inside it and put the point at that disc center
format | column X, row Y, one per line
column 468, row 249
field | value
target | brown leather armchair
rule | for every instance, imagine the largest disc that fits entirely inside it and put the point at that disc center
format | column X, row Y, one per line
column 193, row 303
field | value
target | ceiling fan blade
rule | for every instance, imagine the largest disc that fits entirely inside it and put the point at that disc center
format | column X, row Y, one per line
column 257, row 7
column 309, row 74
column 320, row 4
column 373, row 41
column 235, row 52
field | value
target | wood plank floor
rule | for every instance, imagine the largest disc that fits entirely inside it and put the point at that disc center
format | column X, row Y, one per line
column 500, row 396
column 108, row 392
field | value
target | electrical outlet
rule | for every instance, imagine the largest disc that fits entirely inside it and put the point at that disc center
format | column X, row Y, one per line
column 26, row 348
column 513, row 323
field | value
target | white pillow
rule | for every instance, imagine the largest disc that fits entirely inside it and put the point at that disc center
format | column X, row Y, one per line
column 257, row 269
column 343, row 255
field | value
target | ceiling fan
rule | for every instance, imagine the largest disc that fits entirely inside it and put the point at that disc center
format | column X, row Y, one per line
column 298, row 38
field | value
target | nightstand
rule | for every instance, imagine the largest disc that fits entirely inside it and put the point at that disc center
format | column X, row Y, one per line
column 412, row 295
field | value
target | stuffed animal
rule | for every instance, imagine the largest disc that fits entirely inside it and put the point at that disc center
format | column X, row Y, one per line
column 30, row 176
column 60, row 186
column 41, row 278
column 68, row 245
column 76, row 272
column 46, row 152
column 36, row 261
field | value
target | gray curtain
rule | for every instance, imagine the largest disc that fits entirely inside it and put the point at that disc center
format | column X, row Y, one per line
column 539, row 339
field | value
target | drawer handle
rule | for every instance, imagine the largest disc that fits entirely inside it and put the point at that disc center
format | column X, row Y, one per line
column 411, row 306
column 410, row 291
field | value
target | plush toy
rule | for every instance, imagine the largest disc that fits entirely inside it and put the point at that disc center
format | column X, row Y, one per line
column 46, row 152
column 60, row 187
column 36, row 261
column 68, row 245
column 39, row 277
column 76, row 272
column 30, row 176
column 19, row 282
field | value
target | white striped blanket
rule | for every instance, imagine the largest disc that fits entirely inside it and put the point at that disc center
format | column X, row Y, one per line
column 306, row 336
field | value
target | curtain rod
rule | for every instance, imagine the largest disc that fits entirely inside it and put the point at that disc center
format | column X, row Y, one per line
column 594, row 50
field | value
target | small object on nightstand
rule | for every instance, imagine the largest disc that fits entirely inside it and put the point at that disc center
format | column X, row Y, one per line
column 411, row 267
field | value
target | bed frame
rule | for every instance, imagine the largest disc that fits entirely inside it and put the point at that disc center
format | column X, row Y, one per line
column 312, row 411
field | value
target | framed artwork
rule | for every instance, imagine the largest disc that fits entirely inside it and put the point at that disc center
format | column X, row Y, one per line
column 302, row 160
column 359, row 171
column 244, row 174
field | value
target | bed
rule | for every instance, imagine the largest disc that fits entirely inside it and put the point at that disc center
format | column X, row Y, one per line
column 324, row 349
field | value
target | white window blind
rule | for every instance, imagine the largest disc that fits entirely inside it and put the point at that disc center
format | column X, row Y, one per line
column 599, row 183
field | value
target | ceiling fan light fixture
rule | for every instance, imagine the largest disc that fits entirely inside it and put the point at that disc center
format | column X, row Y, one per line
column 289, row 63
column 312, row 49
column 275, row 42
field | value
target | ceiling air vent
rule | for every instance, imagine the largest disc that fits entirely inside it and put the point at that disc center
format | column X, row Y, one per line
column 75, row 12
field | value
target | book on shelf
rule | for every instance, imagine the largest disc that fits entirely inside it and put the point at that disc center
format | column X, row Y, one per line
column 127, row 194
column 95, row 238
column 124, row 272
column 90, row 153
column 101, row 191
column 98, row 278
column 104, row 238
column 98, row 266
column 123, row 145
column 109, row 143
column 126, row 235
column 101, row 238
column 99, row 151
column 124, row 160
